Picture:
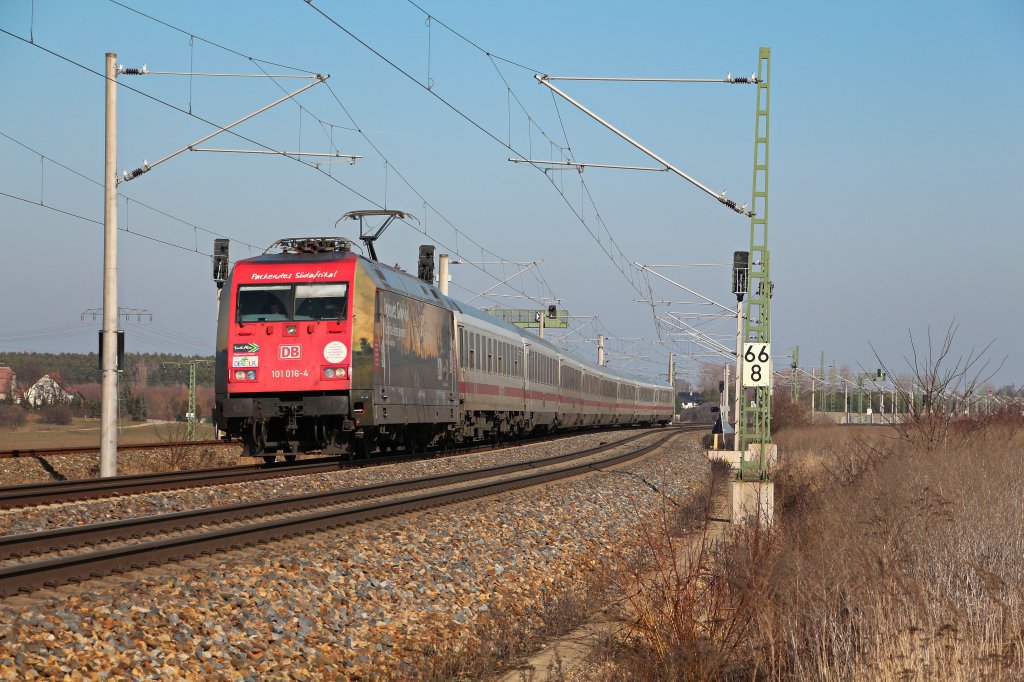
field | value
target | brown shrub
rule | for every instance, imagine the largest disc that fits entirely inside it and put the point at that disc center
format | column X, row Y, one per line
column 56, row 414
column 12, row 417
column 788, row 414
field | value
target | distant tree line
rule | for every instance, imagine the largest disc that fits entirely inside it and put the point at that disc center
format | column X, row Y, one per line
column 74, row 369
column 148, row 388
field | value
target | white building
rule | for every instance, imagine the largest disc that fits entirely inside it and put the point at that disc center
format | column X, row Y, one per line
column 46, row 391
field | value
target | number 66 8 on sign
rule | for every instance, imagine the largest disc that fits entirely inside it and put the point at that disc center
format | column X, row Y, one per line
column 757, row 364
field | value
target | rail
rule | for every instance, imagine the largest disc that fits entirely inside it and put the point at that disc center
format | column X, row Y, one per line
column 52, row 492
column 94, row 449
column 63, row 569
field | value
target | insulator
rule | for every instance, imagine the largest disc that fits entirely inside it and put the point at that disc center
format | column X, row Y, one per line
column 136, row 173
column 731, row 204
column 133, row 72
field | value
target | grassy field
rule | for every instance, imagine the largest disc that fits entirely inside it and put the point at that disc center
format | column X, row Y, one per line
column 86, row 432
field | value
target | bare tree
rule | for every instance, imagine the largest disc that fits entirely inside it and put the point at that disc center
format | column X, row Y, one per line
column 938, row 386
column 709, row 375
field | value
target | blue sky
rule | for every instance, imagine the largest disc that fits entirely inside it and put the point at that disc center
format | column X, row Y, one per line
column 896, row 162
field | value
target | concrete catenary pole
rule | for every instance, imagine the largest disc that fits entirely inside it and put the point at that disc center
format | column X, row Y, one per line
column 814, row 393
column 739, row 372
column 442, row 273
column 846, row 401
column 600, row 349
column 108, row 404
column 726, row 404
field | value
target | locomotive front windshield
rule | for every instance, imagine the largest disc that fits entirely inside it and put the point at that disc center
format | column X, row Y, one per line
column 284, row 302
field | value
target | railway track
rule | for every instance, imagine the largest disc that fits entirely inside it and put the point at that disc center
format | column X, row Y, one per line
column 94, row 449
column 33, row 494
column 246, row 524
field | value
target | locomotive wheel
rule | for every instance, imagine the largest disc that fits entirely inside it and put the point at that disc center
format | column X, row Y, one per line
column 364, row 447
column 257, row 440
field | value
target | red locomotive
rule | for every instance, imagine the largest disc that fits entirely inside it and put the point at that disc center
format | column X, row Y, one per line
column 320, row 349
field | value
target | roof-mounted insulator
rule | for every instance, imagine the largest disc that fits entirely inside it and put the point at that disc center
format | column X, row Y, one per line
column 311, row 245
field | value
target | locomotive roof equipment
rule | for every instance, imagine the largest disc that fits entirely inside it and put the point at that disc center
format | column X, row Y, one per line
column 365, row 234
column 311, row 245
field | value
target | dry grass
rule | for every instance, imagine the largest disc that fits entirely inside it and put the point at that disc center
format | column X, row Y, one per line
column 907, row 568
column 86, row 433
column 894, row 557
column 688, row 603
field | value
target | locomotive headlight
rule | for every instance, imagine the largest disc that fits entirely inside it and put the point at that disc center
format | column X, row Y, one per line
column 329, row 372
column 240, row 375
column 251, row 375
column 341, row 372
column 291, row 329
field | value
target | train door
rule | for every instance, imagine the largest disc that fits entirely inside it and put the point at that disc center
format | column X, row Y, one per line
column 461, row 353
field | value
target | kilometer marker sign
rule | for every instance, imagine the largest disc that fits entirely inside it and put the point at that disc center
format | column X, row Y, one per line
column 757, row 364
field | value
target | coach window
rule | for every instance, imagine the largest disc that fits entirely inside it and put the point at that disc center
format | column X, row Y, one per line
column 321, row 301
column 490, row 356
column 462, row 347
column 264, row 303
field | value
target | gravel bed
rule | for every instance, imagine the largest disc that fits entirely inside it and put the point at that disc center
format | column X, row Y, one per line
column 31, row 519
column 132, row 540
column 395, row 600
column 20, row 470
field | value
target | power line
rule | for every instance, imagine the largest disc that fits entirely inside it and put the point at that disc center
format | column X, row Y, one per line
column 470, row 42
column 100, row 184
column 183, row 111
column 531, row 121
column 243, row 137
column 322, row 122
column 391, row 165
column 208, row 42
column 472, row 122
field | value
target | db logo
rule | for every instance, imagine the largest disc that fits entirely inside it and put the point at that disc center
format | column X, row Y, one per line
column 291, row 352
